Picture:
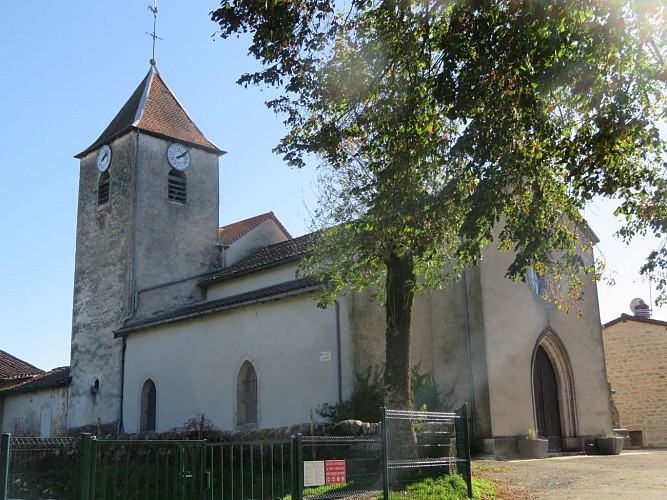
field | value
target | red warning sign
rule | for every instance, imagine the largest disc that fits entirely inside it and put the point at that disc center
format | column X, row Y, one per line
column 334, row 471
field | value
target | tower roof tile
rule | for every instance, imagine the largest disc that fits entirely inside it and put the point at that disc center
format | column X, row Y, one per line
column 153, row 109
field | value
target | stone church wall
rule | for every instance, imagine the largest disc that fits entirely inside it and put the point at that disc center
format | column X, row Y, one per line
column 101, row 287
column 516, row 320
column 134, row 256
column 291, row 343
column 636, row 355
column 447, row 341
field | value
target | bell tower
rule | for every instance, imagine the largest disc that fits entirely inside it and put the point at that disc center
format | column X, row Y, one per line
column 147, row 227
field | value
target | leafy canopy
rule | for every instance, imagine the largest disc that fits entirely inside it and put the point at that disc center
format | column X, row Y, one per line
column 443, row 126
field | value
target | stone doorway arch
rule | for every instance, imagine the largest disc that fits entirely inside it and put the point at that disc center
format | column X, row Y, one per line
column 550, row 343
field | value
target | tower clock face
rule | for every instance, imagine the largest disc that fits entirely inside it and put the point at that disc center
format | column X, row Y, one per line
column 178, row 156
column 103, row 158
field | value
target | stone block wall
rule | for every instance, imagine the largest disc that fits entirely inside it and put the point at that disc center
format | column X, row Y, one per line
column 636, row 358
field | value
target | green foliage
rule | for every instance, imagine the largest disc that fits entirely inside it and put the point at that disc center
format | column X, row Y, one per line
column 531, row 434
column 368, row 397
column 426, row 395
column 445, row 127
column 434, row 121
column 364, row 404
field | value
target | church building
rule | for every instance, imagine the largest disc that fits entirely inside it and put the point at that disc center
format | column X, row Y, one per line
column 175, row 317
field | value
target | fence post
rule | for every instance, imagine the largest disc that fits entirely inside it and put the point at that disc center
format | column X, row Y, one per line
column 297, row 468
column 385, row 453
column 85, row 488
column 4, row 464
column 463, row 446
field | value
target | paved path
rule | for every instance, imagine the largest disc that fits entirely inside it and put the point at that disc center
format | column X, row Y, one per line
column 640, row 474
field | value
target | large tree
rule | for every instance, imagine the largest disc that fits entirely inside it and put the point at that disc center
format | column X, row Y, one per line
column 445, row 126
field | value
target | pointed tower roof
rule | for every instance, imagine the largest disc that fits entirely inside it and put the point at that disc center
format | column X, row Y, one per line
column 154, row 109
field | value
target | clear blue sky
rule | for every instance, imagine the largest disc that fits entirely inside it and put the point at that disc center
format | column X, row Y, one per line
column 67, row 68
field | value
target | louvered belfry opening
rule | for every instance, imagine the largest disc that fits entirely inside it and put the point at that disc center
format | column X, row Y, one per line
column 103, row 185
column 177, row 187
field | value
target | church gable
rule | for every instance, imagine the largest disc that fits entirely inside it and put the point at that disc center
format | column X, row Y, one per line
column 243, row 238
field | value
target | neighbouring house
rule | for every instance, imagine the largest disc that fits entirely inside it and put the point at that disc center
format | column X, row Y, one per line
column 175, row 317
column 32, row 402
column 635, row 350
column 14, row 370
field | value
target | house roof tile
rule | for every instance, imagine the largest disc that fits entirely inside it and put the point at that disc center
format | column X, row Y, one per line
column 271, row 256
column 267, row 294
column 154, row 109
column 12, row 367
column 231, row 232
column 58, row 377
column 637, row 319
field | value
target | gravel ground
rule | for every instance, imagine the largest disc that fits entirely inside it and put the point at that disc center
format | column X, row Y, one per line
column 634, row 474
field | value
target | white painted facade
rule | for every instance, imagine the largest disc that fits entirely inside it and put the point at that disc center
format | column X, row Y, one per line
column 194, row 364
column 40, row 413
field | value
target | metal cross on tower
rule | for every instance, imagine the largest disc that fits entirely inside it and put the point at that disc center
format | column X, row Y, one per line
column 153, row 9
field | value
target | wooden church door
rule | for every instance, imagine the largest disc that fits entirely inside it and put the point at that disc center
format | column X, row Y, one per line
column 547, row 409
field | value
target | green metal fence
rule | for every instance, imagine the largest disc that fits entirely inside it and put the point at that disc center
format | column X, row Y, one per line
column 412, row 446
column 420, row 444
column 257, row 470
column 337, row 467
column 39, row 468
column 86, row 468
column 184, row 470
column 142, row 470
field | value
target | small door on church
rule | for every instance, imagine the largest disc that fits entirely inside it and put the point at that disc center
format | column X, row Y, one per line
column 547, row 409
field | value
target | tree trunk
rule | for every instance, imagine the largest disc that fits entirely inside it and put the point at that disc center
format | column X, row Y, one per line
column 400, row 298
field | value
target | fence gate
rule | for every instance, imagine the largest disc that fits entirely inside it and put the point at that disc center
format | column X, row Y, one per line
column 129, row 469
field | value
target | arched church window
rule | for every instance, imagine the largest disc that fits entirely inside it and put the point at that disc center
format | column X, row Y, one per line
column 103, row 184
column 177, row 187
column 246, row 397
column 148, row 406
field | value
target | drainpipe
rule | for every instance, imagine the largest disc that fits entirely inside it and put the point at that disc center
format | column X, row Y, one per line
column 339, row 367
column 471, row 378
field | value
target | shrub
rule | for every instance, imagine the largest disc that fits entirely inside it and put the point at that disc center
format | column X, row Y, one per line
column 368, row 397
column 364, row 404
column 427, row 395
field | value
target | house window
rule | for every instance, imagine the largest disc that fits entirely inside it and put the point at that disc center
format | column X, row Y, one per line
column 246, row 387
column 103, row 184
column 177, row 187
column 148, row 407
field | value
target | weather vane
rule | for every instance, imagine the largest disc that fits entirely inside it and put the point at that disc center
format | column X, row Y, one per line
column 153, row 9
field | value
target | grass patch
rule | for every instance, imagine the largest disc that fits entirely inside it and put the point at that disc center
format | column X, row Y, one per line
column 329, row 488
column 446, row 488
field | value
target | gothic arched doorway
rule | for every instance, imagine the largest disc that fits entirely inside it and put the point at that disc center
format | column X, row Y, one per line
column 547, row 407
column 550, row 352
